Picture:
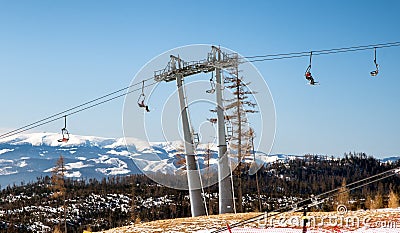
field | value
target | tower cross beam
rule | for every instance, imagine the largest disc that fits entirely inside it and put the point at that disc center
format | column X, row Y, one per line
column 178, row 66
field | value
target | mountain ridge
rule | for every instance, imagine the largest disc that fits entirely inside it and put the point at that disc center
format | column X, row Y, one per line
column 25, row 157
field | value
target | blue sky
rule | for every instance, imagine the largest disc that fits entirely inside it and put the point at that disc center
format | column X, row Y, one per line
column 58, row 54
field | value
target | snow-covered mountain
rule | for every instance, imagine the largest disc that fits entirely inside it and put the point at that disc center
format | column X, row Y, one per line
column 27, row 156
column 390, row 159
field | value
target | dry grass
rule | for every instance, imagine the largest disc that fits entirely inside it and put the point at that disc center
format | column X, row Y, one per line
column 374, row 219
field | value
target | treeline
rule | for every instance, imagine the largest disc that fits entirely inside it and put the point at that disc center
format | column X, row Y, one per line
column 313, row 175
column 90, row 204
column 116, row 201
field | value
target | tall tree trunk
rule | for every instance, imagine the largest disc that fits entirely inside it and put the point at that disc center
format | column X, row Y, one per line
column 239, row 119
column 239, row 191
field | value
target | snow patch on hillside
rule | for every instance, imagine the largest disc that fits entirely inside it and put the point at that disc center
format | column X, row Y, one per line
column 76, row 165
column 7, row 171
column 5, row 161
column 74, row 174
column 3, row 151
column 113, row 171
column 23, row 163
column 114, row 152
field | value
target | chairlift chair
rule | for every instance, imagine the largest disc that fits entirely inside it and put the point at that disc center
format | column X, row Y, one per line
column 212, row 90
column 308, row 75
column 64, row 132
column 376, row 71
column 141, row 99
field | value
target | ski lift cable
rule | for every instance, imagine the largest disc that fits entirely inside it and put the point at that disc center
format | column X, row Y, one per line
column 279, row 211
column 382, row 45
column 327, row 51
column 316, row 52
column 12, row 132
column 54, row 117
column 257, row 58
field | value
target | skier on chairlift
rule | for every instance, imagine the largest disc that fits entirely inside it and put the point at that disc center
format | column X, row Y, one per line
column 310, row 78
column 308, row 75
column 141, row 99
column 143, row 105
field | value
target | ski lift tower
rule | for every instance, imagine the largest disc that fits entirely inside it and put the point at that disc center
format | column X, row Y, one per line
column 177, row 69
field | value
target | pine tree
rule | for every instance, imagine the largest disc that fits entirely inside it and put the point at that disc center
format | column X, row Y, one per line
column 393, row 199
column 57, row 178
column 251, row 151
column 58, row 185
column 180, row 158
column 237, row 109
column 374, row 203
column 377, row 202
column 343, row 196
column 368, row 202
column 57, row 229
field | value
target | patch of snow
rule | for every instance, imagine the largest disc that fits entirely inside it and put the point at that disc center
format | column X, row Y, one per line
column 114, row 161
column 122, row 153
column 3, row 151
column 70, row 166
column 23, row 163
column 48, row 170
column 120, row 167
column 5, row 161
column 101, row 159
column 113, row 171
column 160, row 166
column 81, row 158
column 76, row 165
column 5, row 171
column 75, row 174
column 269, row 159
column 120, row 142
column 135, row 144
